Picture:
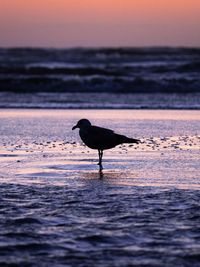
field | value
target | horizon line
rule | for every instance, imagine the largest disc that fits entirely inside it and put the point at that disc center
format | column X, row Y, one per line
column 103, row 47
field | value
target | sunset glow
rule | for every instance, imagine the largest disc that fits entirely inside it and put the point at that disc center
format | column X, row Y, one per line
column 66, row 23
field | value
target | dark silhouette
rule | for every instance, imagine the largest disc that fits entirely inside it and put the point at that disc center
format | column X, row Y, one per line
column 100, row 138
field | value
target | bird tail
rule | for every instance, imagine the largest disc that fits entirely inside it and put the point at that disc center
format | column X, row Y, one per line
column 130, row 140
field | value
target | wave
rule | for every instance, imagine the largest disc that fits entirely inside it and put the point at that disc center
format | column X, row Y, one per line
column 98, row 83
column 127, row 70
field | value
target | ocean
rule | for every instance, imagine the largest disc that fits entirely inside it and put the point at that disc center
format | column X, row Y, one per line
column 56, row 208
column 100, row 78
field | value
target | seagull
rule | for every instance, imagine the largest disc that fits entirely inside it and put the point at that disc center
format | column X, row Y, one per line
column 99, row 138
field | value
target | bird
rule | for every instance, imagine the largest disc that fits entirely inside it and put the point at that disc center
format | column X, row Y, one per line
column 99, row 138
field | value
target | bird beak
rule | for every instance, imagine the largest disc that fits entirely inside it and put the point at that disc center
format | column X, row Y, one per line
column 74, row 127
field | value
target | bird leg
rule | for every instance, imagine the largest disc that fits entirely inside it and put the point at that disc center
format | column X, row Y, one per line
column 100, row 159
column 99, row 152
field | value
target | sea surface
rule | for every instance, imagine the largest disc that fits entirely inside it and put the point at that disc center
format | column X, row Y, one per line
column 56, row 209
column 100, row 78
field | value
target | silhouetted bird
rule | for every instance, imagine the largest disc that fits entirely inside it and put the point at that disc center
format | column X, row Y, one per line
column 100, row 138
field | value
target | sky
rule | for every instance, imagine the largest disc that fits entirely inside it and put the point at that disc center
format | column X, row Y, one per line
column 99, row 23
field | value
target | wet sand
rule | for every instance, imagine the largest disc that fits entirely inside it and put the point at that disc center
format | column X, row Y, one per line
column 166, row 162
column 57, row 209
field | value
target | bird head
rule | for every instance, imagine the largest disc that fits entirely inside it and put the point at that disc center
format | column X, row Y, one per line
column 82, row 124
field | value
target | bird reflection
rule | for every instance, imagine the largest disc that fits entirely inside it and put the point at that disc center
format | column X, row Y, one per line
column 101, row 174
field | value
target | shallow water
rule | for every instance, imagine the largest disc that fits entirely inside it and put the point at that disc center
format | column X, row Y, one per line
column 58, row 210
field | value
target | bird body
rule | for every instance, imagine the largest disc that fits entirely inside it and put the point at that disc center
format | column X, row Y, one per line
column 100, row 138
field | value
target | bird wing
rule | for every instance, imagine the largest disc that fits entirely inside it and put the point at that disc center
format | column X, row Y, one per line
column 101, row 138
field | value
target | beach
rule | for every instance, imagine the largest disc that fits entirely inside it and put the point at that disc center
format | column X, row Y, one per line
column 58, row 210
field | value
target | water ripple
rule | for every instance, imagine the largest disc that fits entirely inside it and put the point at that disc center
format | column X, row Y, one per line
column 99, row 224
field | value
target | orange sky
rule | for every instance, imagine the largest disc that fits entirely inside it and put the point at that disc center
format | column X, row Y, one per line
column 66, row 23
